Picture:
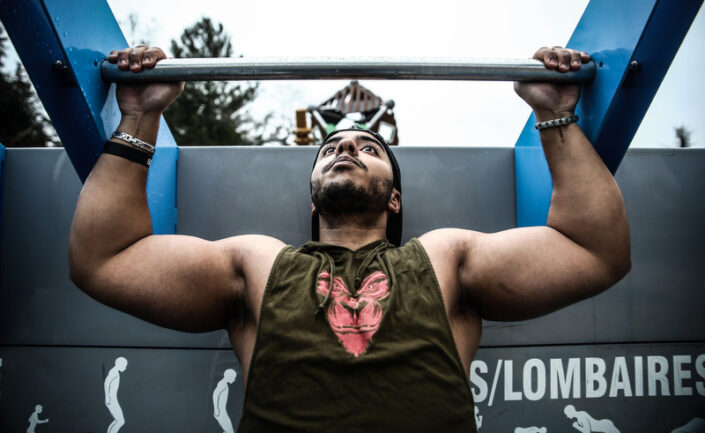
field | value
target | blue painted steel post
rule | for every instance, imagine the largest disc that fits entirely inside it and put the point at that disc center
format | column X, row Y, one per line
column 79, row 34
column 616, row 34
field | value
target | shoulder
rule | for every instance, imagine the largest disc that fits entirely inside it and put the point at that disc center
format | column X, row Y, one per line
column 254, row 242
column 251, row 256
column 450, row 244
column 245, row 248
column 450, row 251
column 251, row 242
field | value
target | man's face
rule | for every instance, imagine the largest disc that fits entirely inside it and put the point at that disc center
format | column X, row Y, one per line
column 352, row 174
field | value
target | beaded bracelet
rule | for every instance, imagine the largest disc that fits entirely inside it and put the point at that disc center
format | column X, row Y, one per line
column 555, row 122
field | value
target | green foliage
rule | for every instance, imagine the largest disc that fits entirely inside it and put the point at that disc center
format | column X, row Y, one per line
column 211, row 113
column 683, row 136
column 22, row 119
column 3, row 40
column 135, row 31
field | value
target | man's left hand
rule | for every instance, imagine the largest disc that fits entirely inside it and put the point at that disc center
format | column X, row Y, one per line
column 553, row 100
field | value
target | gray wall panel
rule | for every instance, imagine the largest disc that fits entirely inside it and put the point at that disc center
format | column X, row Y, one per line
column 38, row 303
column 227, row 191
column 635, row 387
column 469, row 188
column 664, row 193
column 44, row 319
column 159, row 391
column 662, row 298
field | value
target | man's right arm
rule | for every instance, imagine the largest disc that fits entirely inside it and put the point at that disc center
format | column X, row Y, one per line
column 179, row 282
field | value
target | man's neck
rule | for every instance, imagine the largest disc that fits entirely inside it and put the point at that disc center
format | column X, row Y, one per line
column 352, row 233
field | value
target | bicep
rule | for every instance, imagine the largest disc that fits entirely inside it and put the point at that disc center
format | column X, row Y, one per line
column 527, row 272
column 179, row 282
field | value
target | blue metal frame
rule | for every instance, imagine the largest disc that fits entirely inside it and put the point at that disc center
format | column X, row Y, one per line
column 612, row 107
column 80, row 33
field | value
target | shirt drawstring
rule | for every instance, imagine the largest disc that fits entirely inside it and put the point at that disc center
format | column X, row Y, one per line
column 326, row 259
column 366, row 262
column 386, row 266
column 375, row 253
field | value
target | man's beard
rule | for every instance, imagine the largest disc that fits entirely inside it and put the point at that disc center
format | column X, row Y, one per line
column 346, row 198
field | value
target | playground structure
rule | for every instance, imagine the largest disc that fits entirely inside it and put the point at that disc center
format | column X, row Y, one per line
column 354, row 104
column 647, row 331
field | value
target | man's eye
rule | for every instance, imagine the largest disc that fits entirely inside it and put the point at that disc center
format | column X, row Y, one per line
column 368, row 148
column 327, row 150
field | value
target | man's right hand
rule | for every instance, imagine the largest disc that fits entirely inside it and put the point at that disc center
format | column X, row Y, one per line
column 139, row 100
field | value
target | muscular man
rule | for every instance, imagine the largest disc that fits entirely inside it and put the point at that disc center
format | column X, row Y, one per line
column 352, row 332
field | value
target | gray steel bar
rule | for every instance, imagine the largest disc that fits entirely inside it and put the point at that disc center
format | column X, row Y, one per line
column 223, row 69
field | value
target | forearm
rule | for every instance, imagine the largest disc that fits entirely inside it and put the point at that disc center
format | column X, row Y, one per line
column 586, row 205
column 112, row 212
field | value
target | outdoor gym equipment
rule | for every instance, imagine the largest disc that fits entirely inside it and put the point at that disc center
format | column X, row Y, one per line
column 223, row 69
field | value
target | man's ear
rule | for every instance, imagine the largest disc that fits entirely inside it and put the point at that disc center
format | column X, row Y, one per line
column 313, row 209
column 394, row 204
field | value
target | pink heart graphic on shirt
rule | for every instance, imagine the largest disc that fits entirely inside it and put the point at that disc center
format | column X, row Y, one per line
column 355, row 319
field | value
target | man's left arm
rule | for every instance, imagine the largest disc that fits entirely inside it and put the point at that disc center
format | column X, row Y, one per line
column 584, row 247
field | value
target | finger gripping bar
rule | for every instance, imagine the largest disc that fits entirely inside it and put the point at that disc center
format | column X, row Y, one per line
column 227, row 69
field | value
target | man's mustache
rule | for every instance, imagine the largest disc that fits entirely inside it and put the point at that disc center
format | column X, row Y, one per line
column 346, row 158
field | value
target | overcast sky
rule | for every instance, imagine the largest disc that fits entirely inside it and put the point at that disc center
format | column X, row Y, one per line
column 427, row 112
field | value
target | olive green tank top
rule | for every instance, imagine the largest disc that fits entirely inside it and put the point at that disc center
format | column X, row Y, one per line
column 355, row 341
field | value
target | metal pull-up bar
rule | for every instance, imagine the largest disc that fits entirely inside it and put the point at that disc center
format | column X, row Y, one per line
column 224, row 69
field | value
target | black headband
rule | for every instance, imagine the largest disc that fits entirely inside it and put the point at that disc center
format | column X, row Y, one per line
column 394, row 223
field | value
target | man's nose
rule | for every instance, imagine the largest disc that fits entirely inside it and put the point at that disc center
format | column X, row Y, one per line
column 346, row 145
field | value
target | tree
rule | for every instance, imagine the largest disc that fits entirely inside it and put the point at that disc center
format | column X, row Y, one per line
column 24, row 122
column 210, row 113
column 683, row 136
column 135, row 32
